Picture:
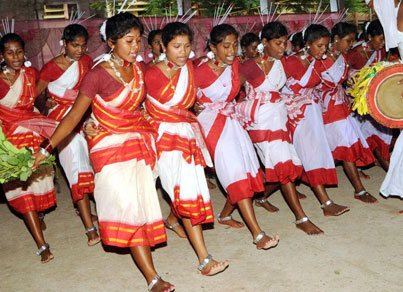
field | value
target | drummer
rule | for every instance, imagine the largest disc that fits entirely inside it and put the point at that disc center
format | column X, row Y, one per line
column 366, row 53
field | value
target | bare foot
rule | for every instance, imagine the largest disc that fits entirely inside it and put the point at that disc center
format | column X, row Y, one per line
column 334, row 209
column 211, row 185
column 265, row 204
column 266, row 241
column 365, row 197
column 46, row 256
column 363, row 175
column 308, row 227
column 175, row 227
column 93, row 237
column 213, row 268
column 229, row 221
column 301, row 196
column 162, row 286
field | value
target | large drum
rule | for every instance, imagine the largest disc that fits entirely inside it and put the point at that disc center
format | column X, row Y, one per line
column 376, row 91
column 385, row 97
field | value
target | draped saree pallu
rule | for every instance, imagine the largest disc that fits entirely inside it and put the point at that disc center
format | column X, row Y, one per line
column 270, row 132
column 377, row 136
column 182, row 154
column 343, row 132
column 306, row 121
column 25, row 128
column 73, row 151
column 236, row 164
column 123, row 158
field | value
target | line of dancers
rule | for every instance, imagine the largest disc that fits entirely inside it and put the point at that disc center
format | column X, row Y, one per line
column 265, row 120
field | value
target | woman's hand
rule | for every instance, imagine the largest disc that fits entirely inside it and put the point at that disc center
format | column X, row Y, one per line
column 39, row 157
column 50, row 104
column 90, row 129
column 198, row 108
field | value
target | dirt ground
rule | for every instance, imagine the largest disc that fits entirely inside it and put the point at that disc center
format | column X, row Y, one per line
column 360, row 251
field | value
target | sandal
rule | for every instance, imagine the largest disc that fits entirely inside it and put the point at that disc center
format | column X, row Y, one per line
column 173, row 226
column 154, row 282
column 93, row 241
column 365, row 197
column 225, row 221
column 41, row 250
column 224, row 265
column 272, row 242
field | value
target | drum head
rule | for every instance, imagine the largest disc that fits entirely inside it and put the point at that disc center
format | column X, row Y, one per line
column 385, row 97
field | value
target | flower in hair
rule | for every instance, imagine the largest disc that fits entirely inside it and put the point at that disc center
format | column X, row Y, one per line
column 102, row 31
column 162, row 57
column 61, row 43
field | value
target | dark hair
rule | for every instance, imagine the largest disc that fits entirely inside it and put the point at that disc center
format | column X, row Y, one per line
column 120, row 24
column 374, row 28
column 297, row 40
column 174, row 29
column 220, row 32
column 315, row 32
column 273, row 30
column 73, row 31
column 152, row 34
column 248, row 39
column 343, row 29
column 10, row 37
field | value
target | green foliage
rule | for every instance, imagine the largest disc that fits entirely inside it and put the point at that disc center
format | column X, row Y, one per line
column 16, row 163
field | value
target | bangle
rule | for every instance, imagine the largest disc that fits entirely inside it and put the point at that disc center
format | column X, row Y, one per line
column 44, row 152
column 45, row 145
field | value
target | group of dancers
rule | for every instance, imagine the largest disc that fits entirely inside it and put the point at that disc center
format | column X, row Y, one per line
column 120, row 124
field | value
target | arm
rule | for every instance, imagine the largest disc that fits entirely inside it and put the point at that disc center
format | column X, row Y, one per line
column 67, row 125
column 41, row 86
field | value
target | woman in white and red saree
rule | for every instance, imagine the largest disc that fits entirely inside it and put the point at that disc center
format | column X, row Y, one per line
column 23, row 126
column 343, row 132
column 122, row 153
column 365, row 54
column 182, row 154
column 236, row 164
column 269, row 132
column 62, row 76
column 305, row 117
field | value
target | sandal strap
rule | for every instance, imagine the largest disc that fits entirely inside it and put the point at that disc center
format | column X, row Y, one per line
column 204, row 262
column 223, row 219
column 259, row 237
column 362, row 193
column 325, row 204
column 93, row 228
column 153, row 282
column 42, row 249
column 302, row 220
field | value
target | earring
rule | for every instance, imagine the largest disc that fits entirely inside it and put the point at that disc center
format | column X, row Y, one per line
column 150, row 55
column 260, row 48
column 304, row 53
column 192, row 55
column 27, row 63
column 324, row 57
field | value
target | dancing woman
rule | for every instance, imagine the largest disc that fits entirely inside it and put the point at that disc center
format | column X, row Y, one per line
column 62, row 76
column 181, row 152
column 366, row 53
column 23, row 126
column 235, row 160
column 305, row 116
column 343, row 133
column 122, row 153
column 265, row 76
